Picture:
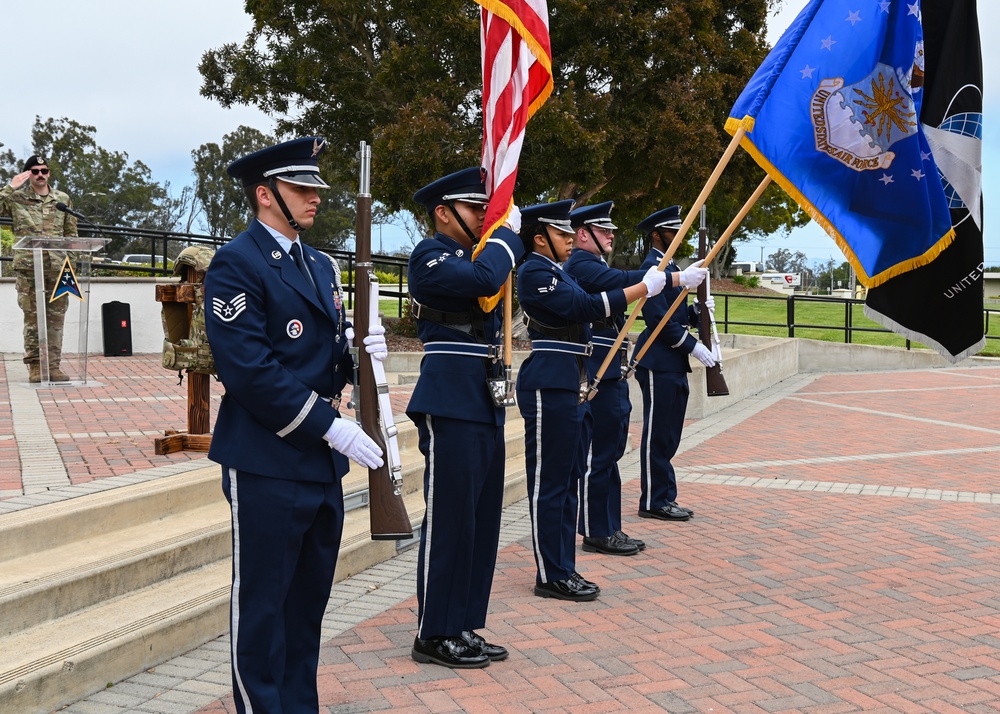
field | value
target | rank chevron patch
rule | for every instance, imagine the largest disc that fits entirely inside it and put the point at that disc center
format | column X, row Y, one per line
column 229, row 311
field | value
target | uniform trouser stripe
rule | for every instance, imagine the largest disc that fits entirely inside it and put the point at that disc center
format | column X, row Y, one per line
column 428, row 529
column 463, row 488
column 585, row 489
column 647, row 484
column 554, row 423
column 607, row 438
column 234, row 598
column 665, row 397
column 538, row 486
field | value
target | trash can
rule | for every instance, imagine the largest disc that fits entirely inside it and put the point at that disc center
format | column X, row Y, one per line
column 117, row 323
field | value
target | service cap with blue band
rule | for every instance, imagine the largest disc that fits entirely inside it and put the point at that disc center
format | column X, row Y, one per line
column 555, row 214
column 597, row 215
column 294, row 161
column 467, row 185
column 668, row 218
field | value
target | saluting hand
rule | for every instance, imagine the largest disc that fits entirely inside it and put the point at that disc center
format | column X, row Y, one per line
column 20, row 179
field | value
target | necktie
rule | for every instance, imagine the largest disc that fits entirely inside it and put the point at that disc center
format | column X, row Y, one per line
column 301, row 262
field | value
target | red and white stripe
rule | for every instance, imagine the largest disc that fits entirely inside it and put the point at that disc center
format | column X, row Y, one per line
column 517, row 79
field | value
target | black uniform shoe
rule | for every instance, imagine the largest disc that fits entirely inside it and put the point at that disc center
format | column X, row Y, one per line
column 690, row 512
column 621, row 535
column 670, row 512
column 568, row 589
column 452, row 652
column 583, row 581
column 609, row 546
column 494, row 652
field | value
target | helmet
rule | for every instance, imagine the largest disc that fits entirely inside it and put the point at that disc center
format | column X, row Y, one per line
column 197, row 256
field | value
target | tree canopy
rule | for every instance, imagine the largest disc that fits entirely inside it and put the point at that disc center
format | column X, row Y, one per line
column 221, row 205
column 642, row 91
column 103, row 185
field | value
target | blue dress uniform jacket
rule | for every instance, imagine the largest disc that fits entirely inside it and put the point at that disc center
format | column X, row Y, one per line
column 594, row 275
column 460, row 431
column 556, row 425
column 278, row 380
column 662, row 376
column 281, row 355
column 443, row 276
column 600, row 480
column 669, row 353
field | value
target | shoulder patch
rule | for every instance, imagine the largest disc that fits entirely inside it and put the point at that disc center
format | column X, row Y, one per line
column 437, row 261
column 229, row 311
column 550, row 287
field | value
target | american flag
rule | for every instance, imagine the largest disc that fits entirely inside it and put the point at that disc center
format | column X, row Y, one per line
column 517, row 79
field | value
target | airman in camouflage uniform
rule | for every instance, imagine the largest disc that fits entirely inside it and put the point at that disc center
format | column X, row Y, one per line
column 31, row 202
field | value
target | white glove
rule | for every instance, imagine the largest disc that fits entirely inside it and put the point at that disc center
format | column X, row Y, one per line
column 349, row 439
column 703, row 355
column 693, row 275
column 375, row 343
column 655, row 280
column 349, row 334
column 710, row 303
column 514, row 219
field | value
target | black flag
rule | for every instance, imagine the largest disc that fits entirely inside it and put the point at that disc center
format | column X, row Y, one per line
column 941, row 304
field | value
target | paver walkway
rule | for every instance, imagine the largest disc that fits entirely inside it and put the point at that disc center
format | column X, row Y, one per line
column 844, row 558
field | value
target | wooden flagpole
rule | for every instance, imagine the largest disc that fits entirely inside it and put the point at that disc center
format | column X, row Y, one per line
column 674, row 245
column 708, row 260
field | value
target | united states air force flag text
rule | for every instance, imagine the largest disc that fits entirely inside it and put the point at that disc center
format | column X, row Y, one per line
column 835, row 115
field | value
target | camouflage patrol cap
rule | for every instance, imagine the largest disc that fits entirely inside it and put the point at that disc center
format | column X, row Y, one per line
column 34, row 161
column 197, row 256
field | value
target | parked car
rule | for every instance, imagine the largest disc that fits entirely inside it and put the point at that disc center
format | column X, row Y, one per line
column 144, row 259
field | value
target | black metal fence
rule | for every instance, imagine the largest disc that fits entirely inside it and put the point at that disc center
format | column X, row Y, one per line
column 163, row 246
column 724, row 320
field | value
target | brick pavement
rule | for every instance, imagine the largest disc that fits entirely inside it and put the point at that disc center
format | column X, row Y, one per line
column 843, row 558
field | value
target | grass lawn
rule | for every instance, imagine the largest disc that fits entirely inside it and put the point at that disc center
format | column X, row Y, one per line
column 770, row 316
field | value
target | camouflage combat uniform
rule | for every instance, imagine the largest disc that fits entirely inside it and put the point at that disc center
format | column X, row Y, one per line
column 36, row 215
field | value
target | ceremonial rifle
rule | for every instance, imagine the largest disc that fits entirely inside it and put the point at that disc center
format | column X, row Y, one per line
column 386, row 510
column 715, row 383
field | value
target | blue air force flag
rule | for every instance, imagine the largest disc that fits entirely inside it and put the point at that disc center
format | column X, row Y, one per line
column 67, row 283
column 941, row 304
column 833, row 115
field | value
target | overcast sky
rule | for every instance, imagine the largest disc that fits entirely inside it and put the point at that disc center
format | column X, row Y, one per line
column 131, row 70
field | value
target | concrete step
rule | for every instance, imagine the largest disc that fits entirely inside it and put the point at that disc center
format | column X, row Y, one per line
column 101, row 587
column 57, row 662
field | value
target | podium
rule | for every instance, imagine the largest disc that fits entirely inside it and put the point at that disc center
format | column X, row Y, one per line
column 62, row 273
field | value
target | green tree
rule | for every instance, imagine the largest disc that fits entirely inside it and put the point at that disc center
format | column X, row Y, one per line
column 641, row 93
column 831, row 275
column 221, row 206
column 223, row 209
column 104, row 185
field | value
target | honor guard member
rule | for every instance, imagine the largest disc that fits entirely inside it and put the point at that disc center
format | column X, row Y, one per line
column 662, row 373
column 600, row 521
column 551, row 390
column 276, row 324
column 459, row 423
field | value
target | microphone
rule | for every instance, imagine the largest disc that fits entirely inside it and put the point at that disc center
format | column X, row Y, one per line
column 66, row 209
